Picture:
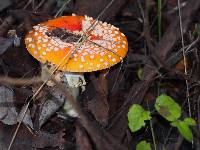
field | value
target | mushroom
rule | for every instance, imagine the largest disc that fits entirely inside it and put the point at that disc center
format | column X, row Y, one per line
column 51, row 41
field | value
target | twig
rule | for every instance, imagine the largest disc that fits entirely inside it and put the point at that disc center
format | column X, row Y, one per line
column 20, row 81
column 59, row 12
column 40, row 4
column 152, row 130
column 184, row 58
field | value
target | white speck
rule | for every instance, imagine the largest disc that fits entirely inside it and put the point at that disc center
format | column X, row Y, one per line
column 45, row 40
column 106, row 63
column 114, row 59
column 56, row 49
column 116, row 32
column 39, row 37
column 43, row 45
column 109, row 56
column 52, row 47
column 75, row 55
column 124, row 42
column 91, row 52
column 81, row 66
column 118, row 46
column 44, row 53
column 92, row 56
column 101, row 60
column 33, row 45
column 75, row 59
column 29, row 39
column 102, row 53
column 96, row 48
column 109, row 47
column 106, row 27
column 39, row 41
column 36, row 27
column 48, row 49
column 115, row 39
column 35, row 52
column 123, row 46
column 82, row 59
column 85, row 53
column 122, row 34
column 105, row 24
column 39, row 48
column 110, row 31
column 113, row 35
column 98, row 65
column 36, row 33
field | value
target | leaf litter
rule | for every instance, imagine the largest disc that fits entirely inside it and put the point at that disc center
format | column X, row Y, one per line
column 107, row 97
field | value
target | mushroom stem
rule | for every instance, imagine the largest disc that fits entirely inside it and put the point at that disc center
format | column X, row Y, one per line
column 74, row 81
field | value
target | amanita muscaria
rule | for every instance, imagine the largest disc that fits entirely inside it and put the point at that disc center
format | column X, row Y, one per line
column 50, row 41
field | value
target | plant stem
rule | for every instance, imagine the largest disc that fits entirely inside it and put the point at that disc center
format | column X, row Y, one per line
column 152, row 131
column 153, row 135
column 159, row 6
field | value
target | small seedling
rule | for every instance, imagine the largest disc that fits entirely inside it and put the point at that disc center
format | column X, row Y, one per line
column 136, row 117
column 197, row 29
column 140, row 73
column 168, row 109
column 171, row 111
column 143, row 145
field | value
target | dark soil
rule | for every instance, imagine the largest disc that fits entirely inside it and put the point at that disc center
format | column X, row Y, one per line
column 104, row 105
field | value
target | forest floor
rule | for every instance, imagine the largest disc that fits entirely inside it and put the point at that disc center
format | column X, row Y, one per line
column 163, row 58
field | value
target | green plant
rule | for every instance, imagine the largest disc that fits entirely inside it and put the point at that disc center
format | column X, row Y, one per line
column 171, row 111
column 136, row 117
column 167, row 108
column 143, row 145
column 140, row 73
column 197, row 29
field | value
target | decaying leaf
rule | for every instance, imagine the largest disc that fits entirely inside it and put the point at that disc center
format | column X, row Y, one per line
column 50, row 106
column 5, row 43
column 31, row 141
column 8, row 112
column 4, row 4
column 27, row 118
column 98, row 109
column 82, row 139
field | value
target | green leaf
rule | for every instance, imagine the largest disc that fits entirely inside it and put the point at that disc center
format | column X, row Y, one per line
column 140, row 73
column 190, row 121
column 197, row 29
column 167, row 107
column 184, row 129
column 136, row 117
column 143, row 145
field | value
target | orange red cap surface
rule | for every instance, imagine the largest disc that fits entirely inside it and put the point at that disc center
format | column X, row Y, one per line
column 105, row 46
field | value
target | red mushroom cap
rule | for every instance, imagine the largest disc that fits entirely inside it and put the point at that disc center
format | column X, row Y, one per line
column 52, row 40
